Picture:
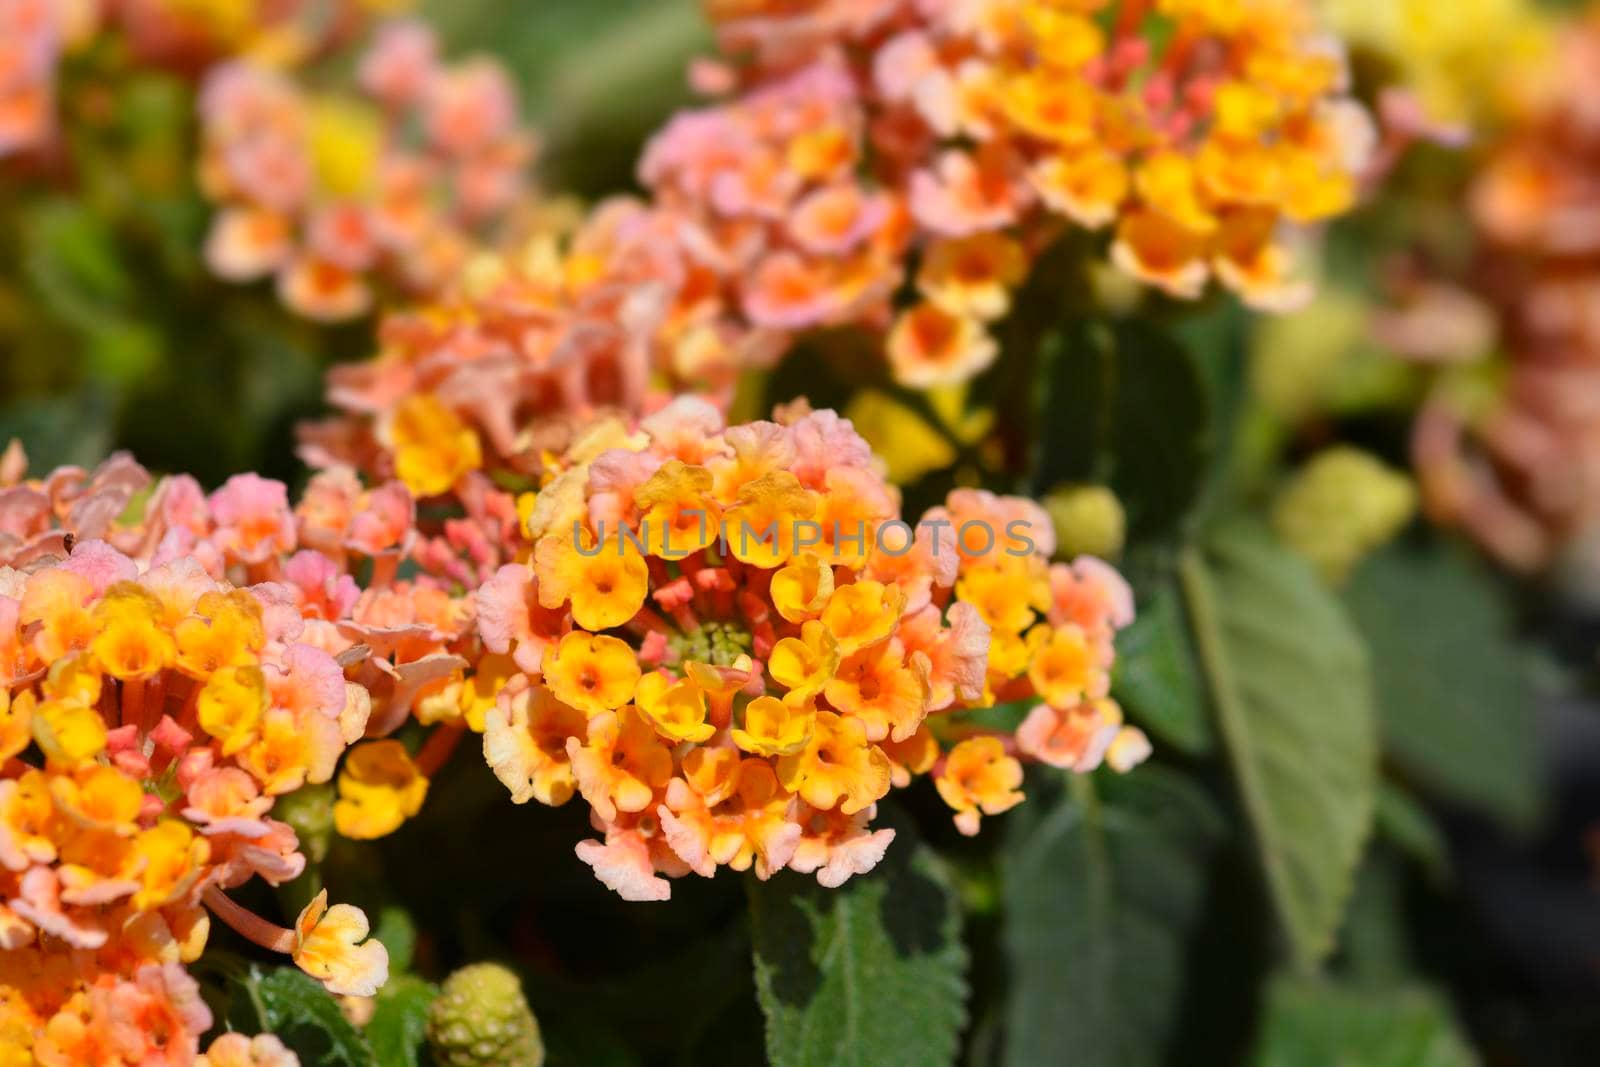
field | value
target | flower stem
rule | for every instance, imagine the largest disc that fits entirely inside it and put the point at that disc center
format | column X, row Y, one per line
column 247, row 924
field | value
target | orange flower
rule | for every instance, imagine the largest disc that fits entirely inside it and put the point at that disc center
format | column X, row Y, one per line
column 764, row 521
column 973, row 276
column 621, row 764
column 593, row 674
column 931, row 346
column 979, row 777
column 838, row 768
column 1066, row 668
column 605, row 583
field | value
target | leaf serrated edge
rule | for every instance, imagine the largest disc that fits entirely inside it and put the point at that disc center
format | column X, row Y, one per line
column 1200, row 600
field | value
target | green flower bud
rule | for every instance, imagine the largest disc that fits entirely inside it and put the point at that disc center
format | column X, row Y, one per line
column 1295, row 358
column 309, row 810
column 1341, row 506
column 1088, row 519
column 481, row 1018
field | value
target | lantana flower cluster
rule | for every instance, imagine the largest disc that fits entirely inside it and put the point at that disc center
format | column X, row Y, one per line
column 728, row 642
column 898, row 166
column 1203, row 134
column 522, row 350
column 185, row 36
column 330, row 191
column 154, row 705
column 1510, row 449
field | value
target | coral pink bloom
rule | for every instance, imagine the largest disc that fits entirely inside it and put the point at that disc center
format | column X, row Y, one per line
column 965, row 195
column 343, row 234
column 253, row 518
column 834, row 220
column 322, row 290
column 401, row 63
column 248, row 243
column 470, row 107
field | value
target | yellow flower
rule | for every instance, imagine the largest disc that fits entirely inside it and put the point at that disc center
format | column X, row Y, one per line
column 331, row 945
column 346, row 143
column 801, row 588
column 69, row 732
column 100, row 797
column 676, row 709
column 433, row 448
column 774, row 727
column 379, row 789
column 131, row 644
column 16, row 721
column 482, row 688
column 593, row 674
column 1007, row 595
column 1066, row 668
column 231, row 705
column 764, row 522
column 28, row 822
column 226, row 631
column 863, row 613
column 804, row 664
column 838, row 767
column 606, row 583
column 172, row 860
column 679, row 516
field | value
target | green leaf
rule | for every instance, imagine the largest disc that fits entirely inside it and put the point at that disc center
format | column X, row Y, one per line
column 872, row 974
column 399, row 1023
column 1320, row 1024
column 1454, row 694
column 1157, row 680
column 1100, row 893
column 1291, row 687
column 1124, row 406
column 1159, row 428
column 1407, row 825
column 399, row 936
column 305, row 1017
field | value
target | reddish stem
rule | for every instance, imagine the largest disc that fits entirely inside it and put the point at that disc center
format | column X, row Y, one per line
column 247, row 924
column 438, row 748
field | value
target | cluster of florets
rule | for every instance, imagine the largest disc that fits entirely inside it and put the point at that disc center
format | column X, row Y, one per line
column 151, row 713
column 522, row 350
column 178, row 35
column 1052, row 639
column 730, row 644
column 964, row 134
column 861, row 148
column 171, row 663
column 1511, row 450
column 328, row 191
